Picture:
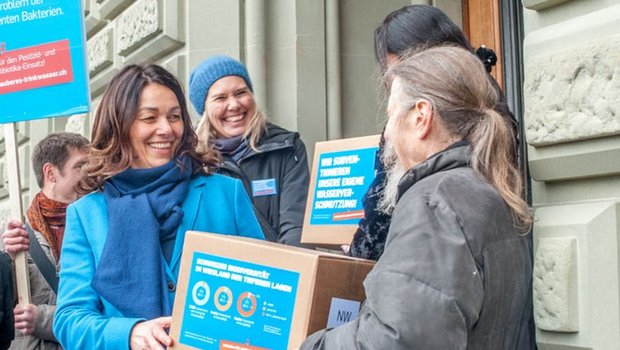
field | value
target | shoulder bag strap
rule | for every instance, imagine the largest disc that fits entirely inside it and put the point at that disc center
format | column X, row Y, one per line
column 47, row 268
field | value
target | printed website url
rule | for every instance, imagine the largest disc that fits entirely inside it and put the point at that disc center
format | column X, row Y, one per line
column 33, row 77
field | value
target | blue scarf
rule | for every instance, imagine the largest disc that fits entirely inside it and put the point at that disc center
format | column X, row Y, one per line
column 235, row 147
column 143, row 212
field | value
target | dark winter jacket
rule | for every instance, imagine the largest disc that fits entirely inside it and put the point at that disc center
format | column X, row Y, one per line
column 279, row 206
column 455, row 273
column 7, row 330
column 369, row 238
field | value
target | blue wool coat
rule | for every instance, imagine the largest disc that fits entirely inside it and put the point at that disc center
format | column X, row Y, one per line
column 83, row 319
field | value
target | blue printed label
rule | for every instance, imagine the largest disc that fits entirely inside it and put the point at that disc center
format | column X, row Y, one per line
column 265, row 187
column 342, row 179
column 235, row 304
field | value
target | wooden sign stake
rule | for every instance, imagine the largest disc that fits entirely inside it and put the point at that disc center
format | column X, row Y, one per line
column 15, row 198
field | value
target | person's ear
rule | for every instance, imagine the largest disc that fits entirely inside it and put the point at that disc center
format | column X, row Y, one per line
column 49, row 172
column 424, row 118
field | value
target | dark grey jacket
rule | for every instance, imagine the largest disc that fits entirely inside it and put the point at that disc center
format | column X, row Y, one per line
column 281, row 156
column 455, row 273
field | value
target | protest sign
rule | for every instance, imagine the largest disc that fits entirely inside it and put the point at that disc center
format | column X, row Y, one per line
column 342, row 172
column 42, row 65
column 42, row 75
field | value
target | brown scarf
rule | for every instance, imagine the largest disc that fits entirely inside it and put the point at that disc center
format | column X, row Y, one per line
column 47, row 216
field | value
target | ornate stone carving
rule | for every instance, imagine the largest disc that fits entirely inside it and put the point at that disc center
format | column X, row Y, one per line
column 572, row 94
column 100, row 51
column 555, row 292
column 145, row 34
column 138, row 24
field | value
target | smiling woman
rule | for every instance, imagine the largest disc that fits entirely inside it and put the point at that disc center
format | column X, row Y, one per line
column 270, row 160
column 156, row 131
column 124, row 240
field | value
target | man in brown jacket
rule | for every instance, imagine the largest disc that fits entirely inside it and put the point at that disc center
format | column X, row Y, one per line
column 57, row 162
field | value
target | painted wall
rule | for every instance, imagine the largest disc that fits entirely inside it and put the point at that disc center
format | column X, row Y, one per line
column 572, row 122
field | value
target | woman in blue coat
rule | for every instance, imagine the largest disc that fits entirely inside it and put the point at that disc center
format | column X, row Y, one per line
column 123, row 242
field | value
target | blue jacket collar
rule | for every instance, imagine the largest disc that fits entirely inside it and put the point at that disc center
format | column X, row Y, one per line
column 190, row 209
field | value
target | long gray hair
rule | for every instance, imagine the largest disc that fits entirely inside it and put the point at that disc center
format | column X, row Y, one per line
column 455, row 83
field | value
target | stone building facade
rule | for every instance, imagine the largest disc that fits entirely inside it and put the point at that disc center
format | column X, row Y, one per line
column 572, row 125
column 313, row 69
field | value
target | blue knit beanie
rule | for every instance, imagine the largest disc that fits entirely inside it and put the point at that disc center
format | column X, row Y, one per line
column 210, row 71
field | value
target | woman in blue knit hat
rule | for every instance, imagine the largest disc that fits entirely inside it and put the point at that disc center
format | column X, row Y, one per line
column 270, row 161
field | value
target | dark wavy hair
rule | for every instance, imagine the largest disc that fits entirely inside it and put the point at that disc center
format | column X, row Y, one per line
column 111, row 151
column 416, row 27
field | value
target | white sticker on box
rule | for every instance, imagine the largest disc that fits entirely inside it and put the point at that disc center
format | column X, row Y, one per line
column 342, row 311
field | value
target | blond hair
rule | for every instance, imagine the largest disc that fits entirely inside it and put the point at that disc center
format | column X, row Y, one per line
column 207, row 133
column 456, row 84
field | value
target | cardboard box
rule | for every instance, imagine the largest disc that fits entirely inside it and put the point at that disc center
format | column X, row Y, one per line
column 342, row 171
column 241, row 293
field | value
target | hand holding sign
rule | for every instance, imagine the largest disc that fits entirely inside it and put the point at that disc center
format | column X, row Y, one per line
column 41, row 61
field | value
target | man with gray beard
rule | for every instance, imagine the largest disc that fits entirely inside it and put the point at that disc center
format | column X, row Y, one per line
column 456, row 272
column 394, row 173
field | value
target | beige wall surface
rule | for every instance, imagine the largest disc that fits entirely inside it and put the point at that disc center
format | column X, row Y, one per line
column 572, row 123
